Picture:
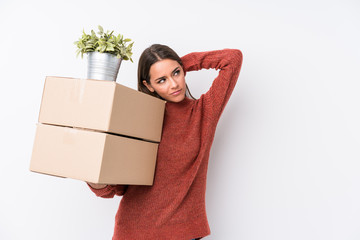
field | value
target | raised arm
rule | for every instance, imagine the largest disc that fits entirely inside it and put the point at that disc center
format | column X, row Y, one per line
column 229, row 62
column 108, row 191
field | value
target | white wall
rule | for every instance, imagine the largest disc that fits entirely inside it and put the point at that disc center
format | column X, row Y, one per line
column 285, row 160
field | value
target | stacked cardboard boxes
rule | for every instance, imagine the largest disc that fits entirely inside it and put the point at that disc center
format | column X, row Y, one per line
column 97, row 131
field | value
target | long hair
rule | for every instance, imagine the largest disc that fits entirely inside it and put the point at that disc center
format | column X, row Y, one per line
column 151, row 55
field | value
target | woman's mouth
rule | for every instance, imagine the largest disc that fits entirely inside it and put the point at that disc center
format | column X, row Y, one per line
column 176, row 92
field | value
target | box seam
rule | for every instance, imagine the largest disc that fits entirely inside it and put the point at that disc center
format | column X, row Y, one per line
column 112, row 108
column 102, row 158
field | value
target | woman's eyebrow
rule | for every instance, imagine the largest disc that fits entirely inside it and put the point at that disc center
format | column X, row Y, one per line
column 160, row 78
column 175, row 70
column 171, row 73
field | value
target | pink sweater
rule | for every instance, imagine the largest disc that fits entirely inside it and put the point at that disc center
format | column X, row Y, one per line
column 174, row 207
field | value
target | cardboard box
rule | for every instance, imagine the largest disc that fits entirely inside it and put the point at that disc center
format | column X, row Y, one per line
column 101, row 105
column 93, row 156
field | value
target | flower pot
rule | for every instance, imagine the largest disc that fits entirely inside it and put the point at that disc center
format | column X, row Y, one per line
column 103, row 66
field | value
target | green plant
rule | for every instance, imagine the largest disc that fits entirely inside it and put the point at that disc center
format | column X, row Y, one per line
column 105, row 42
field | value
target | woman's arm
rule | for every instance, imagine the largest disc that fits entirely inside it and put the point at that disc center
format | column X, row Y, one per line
column 229, row 62
column 107, row 191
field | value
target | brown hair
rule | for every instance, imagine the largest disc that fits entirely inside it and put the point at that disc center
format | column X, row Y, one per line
column 151, row 55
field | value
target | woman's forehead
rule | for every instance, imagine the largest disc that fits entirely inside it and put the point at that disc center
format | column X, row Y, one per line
column 163, row 68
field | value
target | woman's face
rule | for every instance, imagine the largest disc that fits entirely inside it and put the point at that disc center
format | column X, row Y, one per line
column 168, row 80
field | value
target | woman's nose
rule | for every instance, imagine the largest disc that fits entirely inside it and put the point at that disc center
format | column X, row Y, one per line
column 174, row 83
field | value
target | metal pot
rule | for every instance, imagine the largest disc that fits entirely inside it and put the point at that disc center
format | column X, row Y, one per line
column 103, row 66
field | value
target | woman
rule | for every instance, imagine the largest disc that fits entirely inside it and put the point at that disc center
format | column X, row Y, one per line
column 174, row 207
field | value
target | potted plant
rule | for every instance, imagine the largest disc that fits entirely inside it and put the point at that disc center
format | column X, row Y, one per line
column 105, row 52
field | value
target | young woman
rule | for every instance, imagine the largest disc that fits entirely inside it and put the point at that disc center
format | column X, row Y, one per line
column 174, row 207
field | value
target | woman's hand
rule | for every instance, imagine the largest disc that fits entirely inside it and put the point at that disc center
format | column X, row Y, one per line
column 96, row 186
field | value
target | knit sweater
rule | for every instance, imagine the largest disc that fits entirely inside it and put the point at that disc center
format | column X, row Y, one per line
column 174, row 207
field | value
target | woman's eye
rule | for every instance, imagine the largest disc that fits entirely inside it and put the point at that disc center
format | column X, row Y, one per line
column 177, row 72
column 161, row 81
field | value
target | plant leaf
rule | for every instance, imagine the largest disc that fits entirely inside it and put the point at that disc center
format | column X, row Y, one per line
column 101, row 29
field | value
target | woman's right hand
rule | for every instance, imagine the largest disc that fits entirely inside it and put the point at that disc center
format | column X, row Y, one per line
column 96, row 186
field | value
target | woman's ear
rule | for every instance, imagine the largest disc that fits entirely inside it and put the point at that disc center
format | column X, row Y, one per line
column 148, row 86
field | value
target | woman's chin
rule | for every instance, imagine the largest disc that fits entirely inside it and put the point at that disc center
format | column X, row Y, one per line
column 178, row 98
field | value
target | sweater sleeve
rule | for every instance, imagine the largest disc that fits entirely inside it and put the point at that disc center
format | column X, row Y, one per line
column 229, row 62
column 109, row 191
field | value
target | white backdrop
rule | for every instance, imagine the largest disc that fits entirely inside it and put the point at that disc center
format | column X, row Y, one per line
column 285, row 159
